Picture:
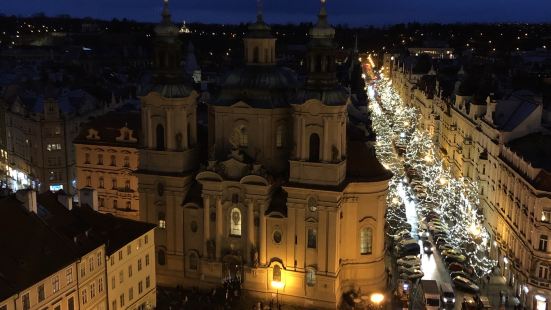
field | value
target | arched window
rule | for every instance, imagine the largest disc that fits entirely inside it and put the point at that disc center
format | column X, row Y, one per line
column 160, row 137
column 366, row 239
column 193, row 261
column 235, row 222
column 277, row 274
column 314, row 148
column 310, row 276
column 256, row 55
column 244, row 141
column 279, row 136
column 161, row 258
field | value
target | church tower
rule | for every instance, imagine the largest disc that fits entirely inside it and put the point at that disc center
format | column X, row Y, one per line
column 169, row 153
column 320, row 119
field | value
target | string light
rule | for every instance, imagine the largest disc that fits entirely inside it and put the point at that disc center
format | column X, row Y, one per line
column 455, row 200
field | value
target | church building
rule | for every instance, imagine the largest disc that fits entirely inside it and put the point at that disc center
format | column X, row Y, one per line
column 291, row 198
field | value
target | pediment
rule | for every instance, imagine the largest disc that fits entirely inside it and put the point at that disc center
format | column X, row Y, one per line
column 209, row 176
column 254, row 180
column 240, row 104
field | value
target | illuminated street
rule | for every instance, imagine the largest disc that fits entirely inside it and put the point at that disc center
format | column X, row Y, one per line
column 436, row 191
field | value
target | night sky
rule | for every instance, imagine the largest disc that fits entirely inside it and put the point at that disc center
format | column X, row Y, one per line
column 353, row 12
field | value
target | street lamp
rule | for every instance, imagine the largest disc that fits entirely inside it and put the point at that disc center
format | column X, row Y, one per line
column 278, row 285
column 377, row 299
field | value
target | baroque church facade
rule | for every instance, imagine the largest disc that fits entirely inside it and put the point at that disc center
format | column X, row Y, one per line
column 291, row 198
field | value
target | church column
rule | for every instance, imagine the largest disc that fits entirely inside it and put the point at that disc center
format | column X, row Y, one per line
column 219, row 227
column 206, row 223
column 250, row 228
column 262, row 234
column 150, row 129
column 169, row 138
column 325, row 142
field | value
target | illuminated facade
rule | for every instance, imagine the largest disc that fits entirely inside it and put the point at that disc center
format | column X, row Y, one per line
column 106, row 159
column 292, row 200
column 504, row 146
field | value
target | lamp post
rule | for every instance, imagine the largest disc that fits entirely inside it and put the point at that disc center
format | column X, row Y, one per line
column 278, row 285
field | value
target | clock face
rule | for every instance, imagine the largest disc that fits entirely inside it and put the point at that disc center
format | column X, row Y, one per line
column 312, row 204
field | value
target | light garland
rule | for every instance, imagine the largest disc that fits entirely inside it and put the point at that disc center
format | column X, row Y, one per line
column 454, row 200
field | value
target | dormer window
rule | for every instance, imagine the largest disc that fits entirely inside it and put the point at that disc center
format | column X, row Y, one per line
column 126, row 135
column 93, row 134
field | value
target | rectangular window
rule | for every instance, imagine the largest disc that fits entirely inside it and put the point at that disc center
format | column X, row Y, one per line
column 71, row 303
column 122, row 300
column 92, row 290
column 84, row 297
column 69, row 275
column 100, row 258
column 120, row 255
column 26, row 302
column 121, row 276
column 147, row 259
column 113, row 160
column 147, row 282
column 87, row 158
column 114, row 183
column 41, row 292
column 543, row 272
column 53, row 147
column 114, row 305
column 130, row 293
column 115, row 204
column 55, row 284
column 128, row 249
column 546, row 216
column 91, row 263
column 100, row 159
column 366, row 239
column 140, row 287
column 543, row 243
column 101, row 202
column 139, row 264
column 126, row 161
column 130, row 271
column 113, row 282
column 100, row 285
column 145, row 239
column 127, row 185
column 312, row 238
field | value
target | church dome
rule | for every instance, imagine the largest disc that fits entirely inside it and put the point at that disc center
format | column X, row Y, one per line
column 259, row 86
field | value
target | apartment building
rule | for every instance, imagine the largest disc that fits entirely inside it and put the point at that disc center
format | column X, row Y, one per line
column 62, row 256
column 106, row 158
column 504, row 144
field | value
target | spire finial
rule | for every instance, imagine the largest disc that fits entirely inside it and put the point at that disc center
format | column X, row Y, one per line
column 322, row 17
column 166, row 13
column 259, row 11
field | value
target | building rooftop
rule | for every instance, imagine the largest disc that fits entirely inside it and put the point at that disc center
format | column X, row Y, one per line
column 535, row 149
column 110, row 130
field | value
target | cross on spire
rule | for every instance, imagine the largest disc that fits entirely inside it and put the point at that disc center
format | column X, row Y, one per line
column 166, row 13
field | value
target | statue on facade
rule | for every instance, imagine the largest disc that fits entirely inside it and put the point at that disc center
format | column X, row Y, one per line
column 254, row 257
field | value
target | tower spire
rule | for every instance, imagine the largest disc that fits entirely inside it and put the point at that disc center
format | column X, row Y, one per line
column 259, row 11
column 322, row 16
column 166, row 13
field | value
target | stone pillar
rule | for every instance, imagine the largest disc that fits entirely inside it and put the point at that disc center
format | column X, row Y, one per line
column 206, row 223
column 250, row 229
column 262, row 250
column 219, row 218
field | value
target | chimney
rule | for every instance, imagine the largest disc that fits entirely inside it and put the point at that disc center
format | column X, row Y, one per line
column 65, row 200
column 28, row 198
column 89, row 196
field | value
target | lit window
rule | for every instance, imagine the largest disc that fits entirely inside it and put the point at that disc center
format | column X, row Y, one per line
column 546, row 216
column 235, row 225
column 162, row 221
column 312, row 238
column 366, row 239
column 310, row 276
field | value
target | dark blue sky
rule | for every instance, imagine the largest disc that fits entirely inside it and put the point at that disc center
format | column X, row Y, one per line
column 353, row 12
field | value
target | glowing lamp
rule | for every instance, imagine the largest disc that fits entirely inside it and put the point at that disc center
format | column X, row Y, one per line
column 377, row 298
column 278, row 284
